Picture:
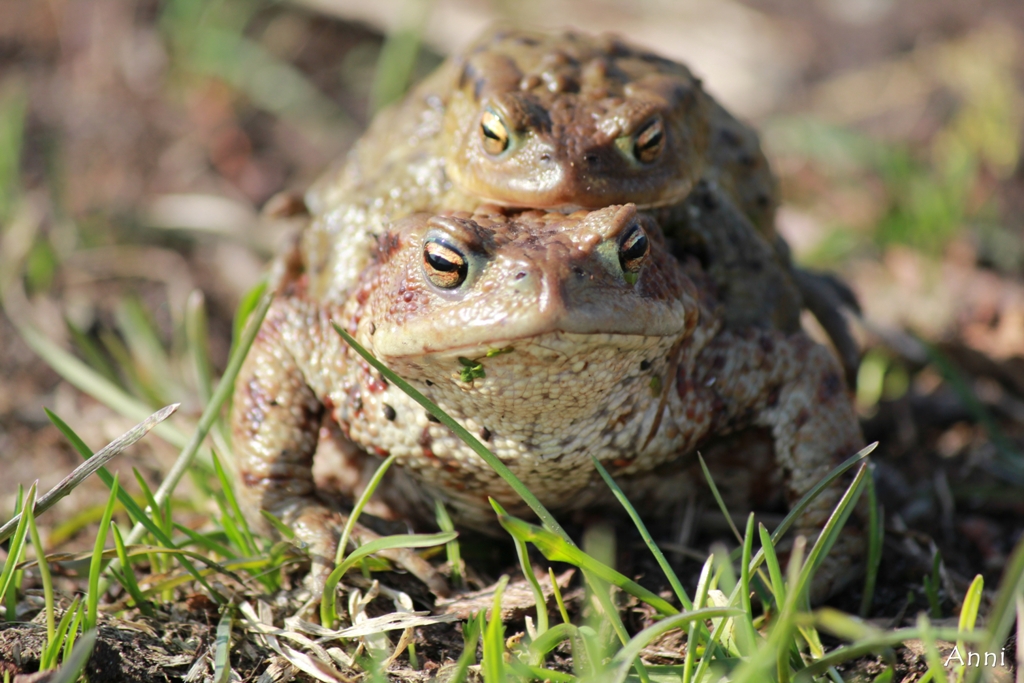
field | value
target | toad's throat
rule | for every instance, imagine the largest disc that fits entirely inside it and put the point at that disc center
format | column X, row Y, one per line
column 548, row 401
column 556, row 377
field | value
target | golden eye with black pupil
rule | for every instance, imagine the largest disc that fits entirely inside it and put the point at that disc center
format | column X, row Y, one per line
column 494, row 133
column 444, row 264
column 649, row 141
column 633, row 249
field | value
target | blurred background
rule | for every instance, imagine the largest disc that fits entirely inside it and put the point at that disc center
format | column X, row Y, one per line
column 139, row 140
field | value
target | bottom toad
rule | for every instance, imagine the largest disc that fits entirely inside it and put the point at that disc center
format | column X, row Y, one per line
column 554, row 338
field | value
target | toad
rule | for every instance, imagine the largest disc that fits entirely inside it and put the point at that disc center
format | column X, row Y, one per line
column 563, row 121
column 592, row 340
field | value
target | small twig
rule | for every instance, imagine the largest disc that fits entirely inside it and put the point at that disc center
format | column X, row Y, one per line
column 89, row 467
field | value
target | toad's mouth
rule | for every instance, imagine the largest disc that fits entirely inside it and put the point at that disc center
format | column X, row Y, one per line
column 557, row 342
column 569, row 194
column 441, row 343
column 526, row 201
column 590, row 319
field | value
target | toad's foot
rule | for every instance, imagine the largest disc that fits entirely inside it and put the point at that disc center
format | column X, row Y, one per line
column 319, row 528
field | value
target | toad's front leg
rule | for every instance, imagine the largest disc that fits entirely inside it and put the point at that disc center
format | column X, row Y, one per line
column 794, row 387
column 275, row 423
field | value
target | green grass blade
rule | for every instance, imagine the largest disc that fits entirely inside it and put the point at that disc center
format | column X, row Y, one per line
column 16, row 547
column 128, row 574
column 621, row 662
column 774, row 569
column 931, row 650
column 549, row 640
column 878, row 643
column 235, row 536
column 494, row 639
column 357, row 509
column 124, row 498
column 554, row 548
column 813, row 493
column 843, row 625
column 972, row 602
column 527, row 672
column 538, row 594
column 72, row 634
column 154, row 508
column 1000, row 616
column 833, row 527
column 558, row 596
column 248, row 542
column 284, row 530
column 718, row 498
column 587, row 654
column 374, row 546
column 75, row 663
column 969, row 617
column 611, row 613
column 96, row 563
column 328, row 610
column 204, row 541
column 783, row 631
column 44, row 572
column 249, row 305
column 153, row 513
column 48, row 657
column 444, row 523
column 876, row 537
column 222, row 648
column 700, row 597
column 211, row 412
column 666, row 568
column 703, row 583
column 470, row 637
column 748, row 549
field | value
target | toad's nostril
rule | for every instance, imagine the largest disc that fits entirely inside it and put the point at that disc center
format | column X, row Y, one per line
column 545, row 158
column 520, row 275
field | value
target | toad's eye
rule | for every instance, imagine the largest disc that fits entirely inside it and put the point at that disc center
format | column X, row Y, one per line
column 649, row 141
column 444, row 264
column 493, row 132
column 633, row 249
